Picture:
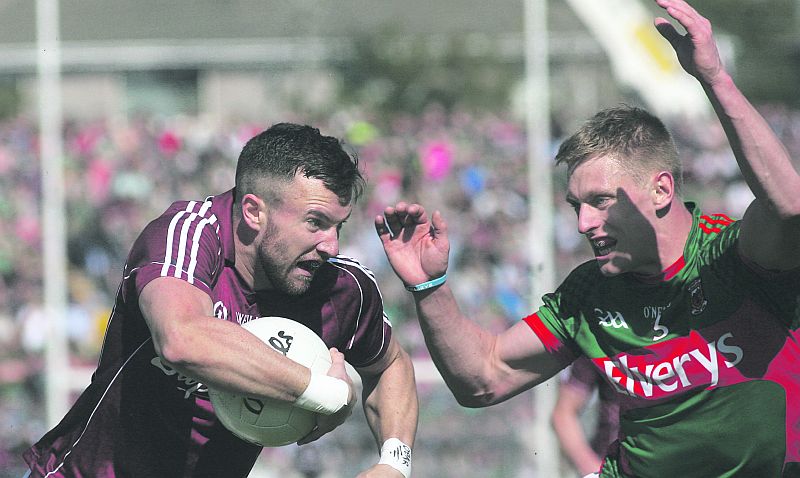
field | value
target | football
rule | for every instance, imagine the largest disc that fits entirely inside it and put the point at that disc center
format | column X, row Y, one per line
column 267, row 422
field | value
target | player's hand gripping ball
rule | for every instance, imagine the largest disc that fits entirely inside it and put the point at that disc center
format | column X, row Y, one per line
column 272, row 422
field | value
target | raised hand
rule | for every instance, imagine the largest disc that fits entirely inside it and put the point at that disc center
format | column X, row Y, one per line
column 697, row 50
column 417, row 248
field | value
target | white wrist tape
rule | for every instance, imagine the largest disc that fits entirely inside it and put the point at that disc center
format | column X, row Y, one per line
column 397, row 455
column 324, row 394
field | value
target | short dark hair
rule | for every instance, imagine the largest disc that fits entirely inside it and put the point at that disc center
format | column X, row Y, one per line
column 286, row 149
column 638, row 140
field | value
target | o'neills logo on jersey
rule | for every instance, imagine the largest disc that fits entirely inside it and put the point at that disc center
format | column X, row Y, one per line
column 697, row 363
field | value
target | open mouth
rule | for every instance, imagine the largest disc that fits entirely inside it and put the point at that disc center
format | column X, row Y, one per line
column 309, row 266
column 603, row 247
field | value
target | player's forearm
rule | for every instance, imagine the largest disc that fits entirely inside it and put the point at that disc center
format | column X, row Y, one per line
column 762, row 158
column 459, row 348
column 390, row 402
column 573, row 441
column 225, row 356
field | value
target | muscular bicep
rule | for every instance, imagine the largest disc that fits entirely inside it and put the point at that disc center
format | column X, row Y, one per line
column 522, row 361
column 766, row 240
column 168, row 304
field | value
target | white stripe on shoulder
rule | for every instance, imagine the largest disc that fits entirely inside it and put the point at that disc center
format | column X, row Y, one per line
column 196, row 245
column 171, row 235
column 340, row 259
column 185, row 244
column 339, row 262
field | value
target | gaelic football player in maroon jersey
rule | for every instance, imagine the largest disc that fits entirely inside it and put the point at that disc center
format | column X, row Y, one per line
column 691, row 317
column 268, row 247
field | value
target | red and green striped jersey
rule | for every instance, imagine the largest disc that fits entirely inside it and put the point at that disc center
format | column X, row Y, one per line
column 706, row 361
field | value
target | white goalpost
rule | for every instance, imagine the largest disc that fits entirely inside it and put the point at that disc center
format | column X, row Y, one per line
column 542, row 442
column 53, row 213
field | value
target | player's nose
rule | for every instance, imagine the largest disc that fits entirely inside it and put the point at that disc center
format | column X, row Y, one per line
column 588, row 219
column 328, row 246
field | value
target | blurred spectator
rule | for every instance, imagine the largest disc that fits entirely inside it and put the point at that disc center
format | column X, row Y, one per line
column 583, row 389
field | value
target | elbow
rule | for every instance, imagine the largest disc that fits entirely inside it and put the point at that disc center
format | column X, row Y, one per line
column 789, row 212
column 475, row 399
column 173, row 350
column 473, row 402
column 786, row 208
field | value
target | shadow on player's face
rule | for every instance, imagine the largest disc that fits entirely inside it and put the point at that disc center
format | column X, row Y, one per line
column 616, row 214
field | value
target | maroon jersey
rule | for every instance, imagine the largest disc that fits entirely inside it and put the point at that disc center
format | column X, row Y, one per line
column 584, row 377
column 141, row 418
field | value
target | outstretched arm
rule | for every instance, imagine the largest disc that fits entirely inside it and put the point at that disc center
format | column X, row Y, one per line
column 480, row 368
column 770, row 231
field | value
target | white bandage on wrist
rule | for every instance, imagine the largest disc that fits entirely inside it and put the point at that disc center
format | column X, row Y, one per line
column 396, row 454
column 324, row 394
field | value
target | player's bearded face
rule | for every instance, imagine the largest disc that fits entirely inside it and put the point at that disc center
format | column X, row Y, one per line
column 300, row 234
column 279, row 263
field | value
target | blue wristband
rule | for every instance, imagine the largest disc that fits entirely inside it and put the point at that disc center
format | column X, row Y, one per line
column 427, row 285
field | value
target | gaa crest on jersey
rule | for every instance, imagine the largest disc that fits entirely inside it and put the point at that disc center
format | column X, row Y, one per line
column 697, row 299
column 610, row 319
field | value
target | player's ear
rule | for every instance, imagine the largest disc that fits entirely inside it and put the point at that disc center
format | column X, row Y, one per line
column 663, row 191
column 254, row 211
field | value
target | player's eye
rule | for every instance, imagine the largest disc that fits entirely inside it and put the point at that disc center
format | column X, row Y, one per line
column 314, row 223
column 601, row 202
column 575, row 206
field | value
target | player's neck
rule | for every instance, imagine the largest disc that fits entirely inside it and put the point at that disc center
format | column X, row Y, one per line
column 245, row 258
column 672, row 234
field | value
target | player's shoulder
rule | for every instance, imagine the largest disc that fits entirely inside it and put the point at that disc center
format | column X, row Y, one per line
column 349, row 268
column 199, row 213
column 583, row 277
column 714, row 224
column 345, row 281
column 345, row 278
column 186, row 224
column 712, row 235
column 708, row 227
column 186, row 209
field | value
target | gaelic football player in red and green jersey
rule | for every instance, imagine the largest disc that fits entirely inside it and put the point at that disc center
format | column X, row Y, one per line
column 692, row 317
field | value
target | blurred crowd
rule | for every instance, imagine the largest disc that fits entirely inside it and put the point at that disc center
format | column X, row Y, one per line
column 122, row 173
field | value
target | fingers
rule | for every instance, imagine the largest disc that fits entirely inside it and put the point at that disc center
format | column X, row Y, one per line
column 337, row 365
column 667, row 31
column 438, row 223
column 382, row 228
column 684, row 14
column 399, row 218
column 314, row 435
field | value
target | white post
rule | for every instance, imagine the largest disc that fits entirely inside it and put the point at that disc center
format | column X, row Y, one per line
column 540, row 206
column 53, row 212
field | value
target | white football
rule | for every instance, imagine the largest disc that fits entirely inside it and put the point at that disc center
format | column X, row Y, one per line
column 272, row 422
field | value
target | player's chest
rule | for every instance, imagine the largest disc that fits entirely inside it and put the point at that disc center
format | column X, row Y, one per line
column 640, row 315
column 328, row 317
